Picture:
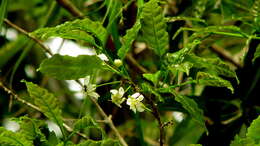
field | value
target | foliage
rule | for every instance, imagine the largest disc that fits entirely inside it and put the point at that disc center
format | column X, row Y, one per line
column 161, row 72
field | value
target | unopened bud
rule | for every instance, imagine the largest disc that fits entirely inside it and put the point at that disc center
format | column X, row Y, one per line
column 118, row 62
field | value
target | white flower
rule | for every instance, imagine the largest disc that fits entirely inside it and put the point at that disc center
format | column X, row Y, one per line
column 118, row 62
column 90, row 88
column 117, row 96
column 134, row 101
column 103, row 57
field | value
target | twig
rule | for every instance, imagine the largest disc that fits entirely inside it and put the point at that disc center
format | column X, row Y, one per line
column 110, row 122
column 131, row 59
column 68, row 5
column 226, row 55
column 12, row 93
column 28, row 35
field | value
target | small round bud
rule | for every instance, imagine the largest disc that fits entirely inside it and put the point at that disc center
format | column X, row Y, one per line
column 118, row 62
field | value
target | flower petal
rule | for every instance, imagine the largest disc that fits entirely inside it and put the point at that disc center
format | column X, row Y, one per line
column 136, row 95
column 121, row 91
column 140, row 98
column 114, row 91
column 94, row 95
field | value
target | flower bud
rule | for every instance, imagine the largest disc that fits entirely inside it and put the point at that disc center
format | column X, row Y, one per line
column 118, row 62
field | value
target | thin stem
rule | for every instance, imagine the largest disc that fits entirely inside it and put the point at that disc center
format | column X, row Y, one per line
column 28, row 35
column 109, row 83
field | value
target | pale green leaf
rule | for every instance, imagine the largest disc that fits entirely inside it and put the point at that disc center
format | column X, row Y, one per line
column 212, row 80
column 69, row 68
column 77, row 29
column 9, row 138
column 253, row 131
column 128, row 39
column 154, row 27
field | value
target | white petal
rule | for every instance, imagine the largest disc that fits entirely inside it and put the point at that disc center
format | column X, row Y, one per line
column 94, row 95
column 114, row 91
column 136, row 95
column 103, row 57
column 140, row 107
column 140, row 98
column 121, row 91
column 129, row 101
column 87, row 80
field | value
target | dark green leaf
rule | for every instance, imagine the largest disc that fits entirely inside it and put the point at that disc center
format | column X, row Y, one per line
column 212, row 80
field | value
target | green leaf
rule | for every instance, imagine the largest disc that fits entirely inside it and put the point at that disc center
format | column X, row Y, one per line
column 154, row 27
column 192, row 108
column 149, row 89
column 30, row 128
column 199, row 8
column 9, row 138
column 47, row 102
column 106, row 142
column 238, row 141
column 257, row 53
column 212, row 65
column 3, row 9
column 212, row 80
column 253, row 131
column 179, row 56
column 69, row 68
column 154, row 78
column 82, row 29
column 128, row 39
column 85, row 122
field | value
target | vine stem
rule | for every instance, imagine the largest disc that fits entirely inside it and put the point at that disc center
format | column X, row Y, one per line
column 101, row 111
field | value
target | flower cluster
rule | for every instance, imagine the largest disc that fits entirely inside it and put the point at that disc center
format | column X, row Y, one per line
column 134, row 101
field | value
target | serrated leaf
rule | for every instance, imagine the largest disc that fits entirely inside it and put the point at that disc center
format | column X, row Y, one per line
column 47, row 102
column 13, row 139
column 238, row 141
column 212, row 65
column 106, row 142
column 192, row 108
column 69, row 68
column 128, row 39
column 85, row 122
column 253, row 131
column 154, row 27
column 82, row 29
column 212, row 80
column 30, row 128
